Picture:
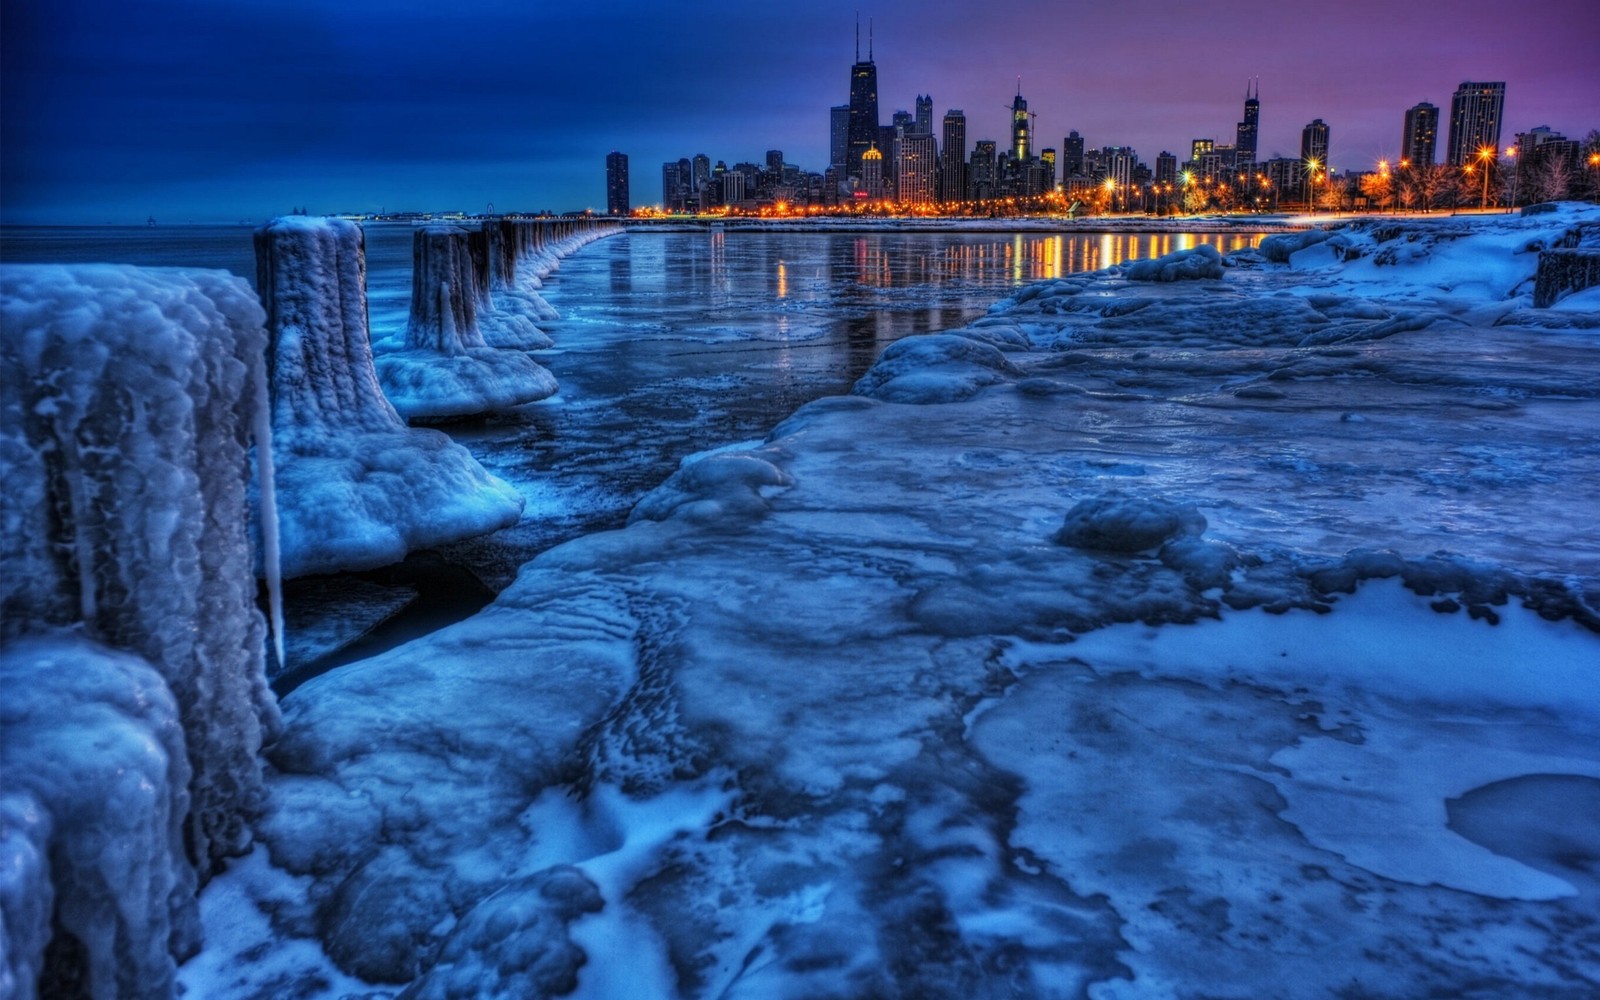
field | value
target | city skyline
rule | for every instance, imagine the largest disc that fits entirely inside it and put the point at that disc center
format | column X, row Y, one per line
column 365, row 107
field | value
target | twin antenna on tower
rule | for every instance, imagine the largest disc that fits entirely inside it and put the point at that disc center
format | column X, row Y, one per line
column 858, row 37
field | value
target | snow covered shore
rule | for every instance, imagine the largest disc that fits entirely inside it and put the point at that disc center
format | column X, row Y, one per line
column 1226, row 636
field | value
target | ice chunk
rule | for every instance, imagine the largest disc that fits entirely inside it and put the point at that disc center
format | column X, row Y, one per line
column 129, row 399
column 1203, row 261
column 96, row 793
column 357, row 488
column 1118, row 522
column 1280, row 247
column 515, row 943
column 939, row 368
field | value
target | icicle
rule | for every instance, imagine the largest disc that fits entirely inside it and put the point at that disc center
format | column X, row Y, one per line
column 267, row 487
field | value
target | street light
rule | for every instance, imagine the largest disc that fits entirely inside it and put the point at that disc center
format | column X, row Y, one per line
column 1311, row 181
column 1516, row 167
column 1486, row 155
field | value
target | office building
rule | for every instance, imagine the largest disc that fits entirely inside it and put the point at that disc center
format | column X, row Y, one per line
column 1475, row 120
column 981, row 171
column 925, row 114
column 953, row 166
column 1421, row 135
column 916, row 176
column 1166, row 168
column 1314, row 143
column 863, row 130
column 1248, row 132
column 838, row 135
column 617, row 184
column 1021, row 127
column 1201, row 147
column 1072, row 155
column 872, row 172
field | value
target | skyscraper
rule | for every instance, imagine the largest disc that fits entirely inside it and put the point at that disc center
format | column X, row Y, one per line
column 925, row 113
column 838, row 135
column 863, row 132
column 1314, row 143
column 1421, row 135
column 1020, row 129
column 872, row 172
column 953, row 168
column 1249, row 130
column 982, row 172
column 1475, row 120
column 617, row 184
column 1072, row 154
column 916, row 173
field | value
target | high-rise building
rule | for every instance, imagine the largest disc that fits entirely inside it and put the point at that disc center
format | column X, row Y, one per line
column 1421, row 135
column 617, row 184
column 1475, row 120
column 838, row 135
column 702, row 172
column 1072, row 154
column 917, row 169
column 1314, row 143
column 953, row 167
column 674, row 194
column 872, row 172
column 1047, row 159
column 1198, row 148
column 981, row 174
column 1248, row 132
column 863, row 130
column 775, row 163
column 925, row 113
column 1021, row 129
column 1166, row 168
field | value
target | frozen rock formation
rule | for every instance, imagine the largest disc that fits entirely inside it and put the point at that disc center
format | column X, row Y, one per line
column 446, row 369
column 92, row 823
column 1202, row 261
column 130, row 400
column 357, row 487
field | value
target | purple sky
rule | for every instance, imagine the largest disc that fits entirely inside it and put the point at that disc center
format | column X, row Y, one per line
column 207, row 110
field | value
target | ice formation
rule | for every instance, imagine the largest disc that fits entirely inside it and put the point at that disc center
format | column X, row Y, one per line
column 1136, row 640
column 357, row 487
column 130, row 400
column 446, row 369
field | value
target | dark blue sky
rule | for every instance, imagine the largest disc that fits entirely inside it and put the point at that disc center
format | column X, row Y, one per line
column 217, row 110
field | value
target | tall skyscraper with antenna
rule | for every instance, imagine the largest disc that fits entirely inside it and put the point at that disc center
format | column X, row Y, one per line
column 1249, row 131
column 1021, row 131
column 863, row 103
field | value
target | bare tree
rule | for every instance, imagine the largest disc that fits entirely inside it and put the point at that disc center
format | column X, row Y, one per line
column 1377, row 189
column 1550, row 179
column 1434, row 181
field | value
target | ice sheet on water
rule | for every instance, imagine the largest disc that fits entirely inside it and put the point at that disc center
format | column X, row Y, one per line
column 958, row 758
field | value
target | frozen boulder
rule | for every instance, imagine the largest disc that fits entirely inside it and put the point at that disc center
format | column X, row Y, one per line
column 91, row 823
column 1203, row 261
column 130, row 399
column 515, row 943
column 1118, row 522
column 715, row 486
column 1279, row 248
column 357, row 487
column 937, row 368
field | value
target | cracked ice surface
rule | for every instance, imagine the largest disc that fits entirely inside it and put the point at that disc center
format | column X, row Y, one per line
column 1171, row 640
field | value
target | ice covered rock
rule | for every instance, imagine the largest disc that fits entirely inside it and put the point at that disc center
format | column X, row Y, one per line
column 130, row 400
column 1279, row 247
column 357, row 487
column 1203, row 261
column 715, row 486
column 938, row 368
column 1118, row 522
column 91, row 823
column 515, row 943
